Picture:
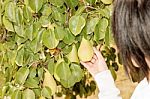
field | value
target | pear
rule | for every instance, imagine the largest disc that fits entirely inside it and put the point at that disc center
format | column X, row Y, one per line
column 73, row 55
column 42, row 97
column 107, row 1
column 85, row 51
column 49, row 82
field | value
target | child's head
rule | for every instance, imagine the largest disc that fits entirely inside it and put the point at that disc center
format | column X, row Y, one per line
column 131, row 29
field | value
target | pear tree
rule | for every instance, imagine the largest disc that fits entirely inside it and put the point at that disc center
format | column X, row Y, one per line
column 43, row 41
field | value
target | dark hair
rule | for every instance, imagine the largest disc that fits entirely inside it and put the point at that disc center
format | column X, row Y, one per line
column 131, row 30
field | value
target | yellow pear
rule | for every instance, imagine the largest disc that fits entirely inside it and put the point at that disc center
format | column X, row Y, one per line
column 49, row 82
column 42, row 97
column 73, row 55
column 107, row 1
column 85, row 51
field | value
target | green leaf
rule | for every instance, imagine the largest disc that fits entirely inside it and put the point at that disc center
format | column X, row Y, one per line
column 91, row 25
column 32, row 72
column 76, row 24
column 36, row 5
column 37, row 92
column 29, row 32
column 59, row 33
column 19, row 16
column 80, row 10
column 60, row 60
column 19, row 40
column 100, row 29
column 22, row 75
column 0, row 19
column 46, row 10
column 27, row 13
column 107, row 37
column 28, row 94
column 46, row 92
column 10, row 11
column 16, row 94
column 58, row 16
column 105, row 12
column 76, row 71
column 68, row 83
column 91, row 1
column 32, row 83
column 40, row 73
column 113, row 73
column 45, row 21
column 11, row 54
column 69, row 37
column 72, row 3
column 73, row 55
column 36, row 44
column 20, row 57
column 20, row 30
column 8, row 25
column 63, row 71
column 57, row 2
column 49, row 39
column 51, row 65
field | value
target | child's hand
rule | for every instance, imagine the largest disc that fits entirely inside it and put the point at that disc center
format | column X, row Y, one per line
column 97, row 63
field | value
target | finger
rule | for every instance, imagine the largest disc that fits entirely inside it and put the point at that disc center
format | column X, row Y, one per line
column 98, row 53
column 93, row 60
column 95, row 57
column 86, row 64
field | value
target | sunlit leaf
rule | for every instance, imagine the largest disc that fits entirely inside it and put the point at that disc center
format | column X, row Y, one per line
column 57, row 2
column 63, row 71
column 10, row 11
column 36, row 5
column 20, row 30
column 69, row 37
column 22, row 75
column 46, row 92
column 36, row 44
column 100, row 29
column 28, row 94
column 20, row 57
column 59, row 33
column 27, row 13
column 72, row 3
column 19, row 16
column 16, row 94
column 76, row 24
column 32, row 83
column 8, row 25
column 76, row 71
column 91, row 25
column 49, row 39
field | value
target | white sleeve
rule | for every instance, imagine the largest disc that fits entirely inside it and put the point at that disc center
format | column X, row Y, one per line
column 106, row 85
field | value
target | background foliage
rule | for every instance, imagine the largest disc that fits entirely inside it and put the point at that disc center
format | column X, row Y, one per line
column 37, row 40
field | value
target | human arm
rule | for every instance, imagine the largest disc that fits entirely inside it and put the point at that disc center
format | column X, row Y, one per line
column 99, row 70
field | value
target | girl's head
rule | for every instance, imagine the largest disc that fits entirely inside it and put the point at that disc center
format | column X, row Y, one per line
column 131, row 29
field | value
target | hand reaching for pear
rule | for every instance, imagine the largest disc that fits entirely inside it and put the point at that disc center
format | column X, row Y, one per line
column 97, row 64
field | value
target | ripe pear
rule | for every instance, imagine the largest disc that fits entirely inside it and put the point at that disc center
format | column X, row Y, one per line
column 107, row 1
column 85, row 51
column 42, row 97
column 73, row 55
column 49, row 82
